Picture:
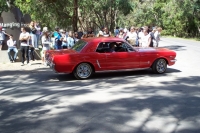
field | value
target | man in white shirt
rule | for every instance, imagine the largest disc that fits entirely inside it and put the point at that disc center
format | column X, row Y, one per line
column 24, row 38
column 12, row 47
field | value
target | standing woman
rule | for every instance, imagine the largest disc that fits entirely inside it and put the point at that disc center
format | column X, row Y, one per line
column 106, row 32
column 76, row 37
column 38, row 33
column 121, row 34
column 146, row 38
column 64, row 36
column 33, row 40
column 132, row 36
column 70, row 40
column 157, row 35
column 46, row 41
column 33, row 31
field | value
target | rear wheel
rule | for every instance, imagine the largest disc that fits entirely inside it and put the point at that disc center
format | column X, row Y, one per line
column 159, row 66
column 83, row 71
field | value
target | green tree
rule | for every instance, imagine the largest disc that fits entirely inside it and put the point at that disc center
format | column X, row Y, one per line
column 5, row 5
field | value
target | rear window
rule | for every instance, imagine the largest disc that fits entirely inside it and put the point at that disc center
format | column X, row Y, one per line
column 78, row 46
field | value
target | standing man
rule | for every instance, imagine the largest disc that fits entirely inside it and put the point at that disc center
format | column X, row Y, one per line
column 116, row 31
column 2, row 37
column 157, row 35
column 12, row 46
column 80, row 33
column 58, row 38
column 24, row 38
column 90, row 32
column 38, row 33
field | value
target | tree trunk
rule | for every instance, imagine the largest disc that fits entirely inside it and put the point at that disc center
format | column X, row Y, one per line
column 75, row 16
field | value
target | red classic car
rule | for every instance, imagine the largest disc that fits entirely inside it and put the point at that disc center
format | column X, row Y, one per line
column 108, row 54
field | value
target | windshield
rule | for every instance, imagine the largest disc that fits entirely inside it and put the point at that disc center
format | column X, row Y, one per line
column 78, row 46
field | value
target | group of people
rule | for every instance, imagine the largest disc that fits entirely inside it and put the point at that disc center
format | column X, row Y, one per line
column 140, row 37
column 61, row 39
column 29, row 40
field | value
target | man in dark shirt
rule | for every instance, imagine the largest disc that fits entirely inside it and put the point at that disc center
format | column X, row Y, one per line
column 90, row 33
column 58, row 38
column 80, row 33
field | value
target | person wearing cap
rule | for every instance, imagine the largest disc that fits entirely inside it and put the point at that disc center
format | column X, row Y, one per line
column 12, row 47
column 58, row 39
column 2, row 37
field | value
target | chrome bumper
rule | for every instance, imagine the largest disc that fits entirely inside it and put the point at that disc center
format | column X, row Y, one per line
column 174, row 60
column 52, row 66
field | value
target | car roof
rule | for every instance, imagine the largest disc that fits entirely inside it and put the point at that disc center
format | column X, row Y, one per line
column 102, row 39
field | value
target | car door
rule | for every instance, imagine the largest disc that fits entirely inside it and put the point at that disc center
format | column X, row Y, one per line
column 133, row 58
column 128, row 58
column 108, row 60
column 100, row 56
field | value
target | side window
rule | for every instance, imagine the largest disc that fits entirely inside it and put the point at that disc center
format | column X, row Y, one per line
column 103, row 47
column 127, row 47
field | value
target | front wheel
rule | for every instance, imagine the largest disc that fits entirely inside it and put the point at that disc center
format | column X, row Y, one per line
column 83, row 71
column 159, row 66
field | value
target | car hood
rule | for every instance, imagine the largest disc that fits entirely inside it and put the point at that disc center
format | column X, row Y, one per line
column 150, row 49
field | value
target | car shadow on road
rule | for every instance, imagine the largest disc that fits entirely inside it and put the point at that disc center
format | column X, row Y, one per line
column 107, row 75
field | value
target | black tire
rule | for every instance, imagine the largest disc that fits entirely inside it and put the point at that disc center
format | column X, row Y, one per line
column 83, row 71
column 159, row 66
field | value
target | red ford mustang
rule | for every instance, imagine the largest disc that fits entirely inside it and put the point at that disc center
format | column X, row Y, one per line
column 92, row 55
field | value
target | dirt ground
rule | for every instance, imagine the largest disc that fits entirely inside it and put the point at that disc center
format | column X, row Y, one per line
column 17, row 65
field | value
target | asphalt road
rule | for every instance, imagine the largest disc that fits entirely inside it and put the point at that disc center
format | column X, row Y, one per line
column 33, row 99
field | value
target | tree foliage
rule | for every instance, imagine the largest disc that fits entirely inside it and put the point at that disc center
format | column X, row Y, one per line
column 176, row 17
column 5, row 5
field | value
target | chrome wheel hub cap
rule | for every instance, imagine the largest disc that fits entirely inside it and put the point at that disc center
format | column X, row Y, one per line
column 161, row 66
column 84, row 70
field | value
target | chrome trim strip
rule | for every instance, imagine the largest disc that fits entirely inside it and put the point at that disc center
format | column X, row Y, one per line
column 123, row 70
column 98, row 64
column 174, row 60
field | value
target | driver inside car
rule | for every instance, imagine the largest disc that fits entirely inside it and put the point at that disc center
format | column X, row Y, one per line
column 112, row 47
